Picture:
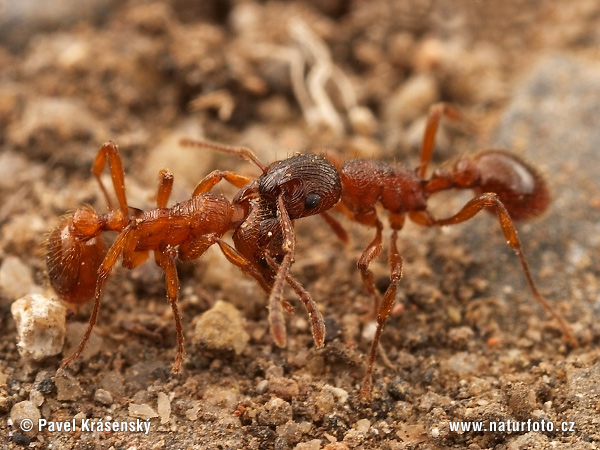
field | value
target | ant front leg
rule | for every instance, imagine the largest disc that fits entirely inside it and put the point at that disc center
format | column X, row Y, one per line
column 317, row 324
column 212, row 179
column 236, row 258
column 165, row 259
column 110, row 151
column 492, row 200
column 165, row 186
column 275, row 298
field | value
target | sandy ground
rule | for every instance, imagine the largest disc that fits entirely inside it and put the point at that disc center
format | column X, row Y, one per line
column 467, row 342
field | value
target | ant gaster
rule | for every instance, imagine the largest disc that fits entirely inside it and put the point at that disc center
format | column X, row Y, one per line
column 79, row 262
column 502, row 182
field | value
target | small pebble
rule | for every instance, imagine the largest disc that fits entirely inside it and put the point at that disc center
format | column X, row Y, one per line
column 222, row 328
column 21, row 439
column 103, row 396
column 362, row 425
column 25, row 410
column 164, row 408
column 67, row 387
column 262, row 386
column 275, row 412
column 41, row 326
column 64, row 117
column 75, row 332
column 185, row 163
column 339, row 393
column 141, row 411
column 36, row 397
column 192, row 413
column 113, row 382
column 368, row 332
column 314, row 444
column 283, row 388
column 411, row 99
column 463, row 363
column 336, row 446
column 15, row 278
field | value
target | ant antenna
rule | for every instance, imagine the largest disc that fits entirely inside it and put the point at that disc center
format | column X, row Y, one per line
column 241, row 152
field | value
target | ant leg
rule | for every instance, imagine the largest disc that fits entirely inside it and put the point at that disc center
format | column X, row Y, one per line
column 236, row 258
column 110, row 151
column 275, row 298
column 165, row 186
column 317, row 324
column 211, row 180
column 241, row 152
column 103, row 272
column 512, row 239
column 277, row 323
column 435, row 115
column 384, row 311
column 336, row 227
column 165, row 259
column 369, row 254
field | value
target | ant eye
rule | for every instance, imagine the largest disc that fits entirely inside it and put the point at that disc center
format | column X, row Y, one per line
column 312, row 201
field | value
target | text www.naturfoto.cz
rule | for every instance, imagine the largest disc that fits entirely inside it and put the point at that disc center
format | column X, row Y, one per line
column 511, row 426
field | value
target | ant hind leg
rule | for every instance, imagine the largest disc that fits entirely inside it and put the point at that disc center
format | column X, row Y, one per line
column 492, row 200
column 110, row 260
column 384, row 311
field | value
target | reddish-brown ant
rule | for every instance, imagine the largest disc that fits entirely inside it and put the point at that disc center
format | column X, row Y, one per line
column 503, row 184
column 79, row 263
column 283, row 193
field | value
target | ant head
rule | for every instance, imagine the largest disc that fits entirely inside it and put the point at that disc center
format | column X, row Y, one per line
column 519, row 186
column 309, row 184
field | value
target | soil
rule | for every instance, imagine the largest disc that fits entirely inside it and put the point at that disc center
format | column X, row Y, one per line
column 466, row 341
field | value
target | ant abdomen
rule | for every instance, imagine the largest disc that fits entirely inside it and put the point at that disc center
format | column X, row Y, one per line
column 73, row 262
column 520, row 187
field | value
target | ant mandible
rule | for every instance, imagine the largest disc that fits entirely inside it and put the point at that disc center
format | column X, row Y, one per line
column 503, row 183
column 79, row 263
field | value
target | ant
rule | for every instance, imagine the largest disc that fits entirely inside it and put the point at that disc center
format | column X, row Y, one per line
column 299, row 186
column 79, row 262
column 503, row 183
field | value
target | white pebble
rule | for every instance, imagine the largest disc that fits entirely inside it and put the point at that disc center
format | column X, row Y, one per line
column 41, row 326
